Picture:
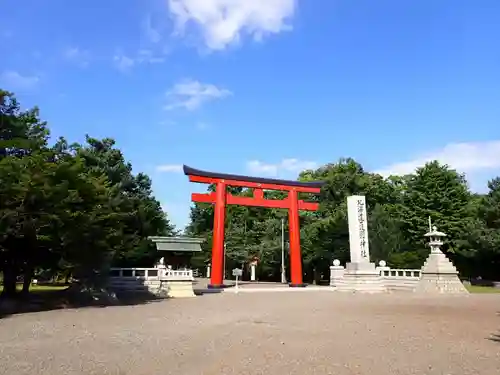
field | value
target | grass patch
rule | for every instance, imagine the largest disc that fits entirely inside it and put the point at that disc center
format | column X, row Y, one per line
column 56, row 296
column 482, row 289
column 40, row 288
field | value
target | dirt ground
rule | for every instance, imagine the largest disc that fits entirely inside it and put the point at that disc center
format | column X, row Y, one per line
column 261, row 333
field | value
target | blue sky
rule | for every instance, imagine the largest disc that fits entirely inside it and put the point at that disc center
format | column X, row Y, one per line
column 263, row 87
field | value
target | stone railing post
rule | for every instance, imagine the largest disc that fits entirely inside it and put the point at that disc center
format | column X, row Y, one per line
column 336, row 273
column 162, row 270
column 382, row 266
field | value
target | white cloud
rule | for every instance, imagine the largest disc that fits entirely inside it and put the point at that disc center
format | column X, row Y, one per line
column 191, row 95
column 143, row 56
column 16, row 81
column 464, row 157
column 151, row 50
column 151, row 57
column 222, row 22
column 286, row 165
column 256, row 166
column 152, row 33
column 174, row 168
column 123, row 62
column 77, row 56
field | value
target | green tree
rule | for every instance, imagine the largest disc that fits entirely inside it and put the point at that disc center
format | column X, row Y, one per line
column 69, row 207
column 438, row 192
column 486, row 234
column 386, row 239
column 21, row 132
column 145, row 215
column 23, row 142
column 398, row 211
column 27, row 208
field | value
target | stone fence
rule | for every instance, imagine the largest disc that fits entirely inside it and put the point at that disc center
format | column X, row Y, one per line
column 160, row 281
column 400, row 273
column 399, row 279
column 393, row 279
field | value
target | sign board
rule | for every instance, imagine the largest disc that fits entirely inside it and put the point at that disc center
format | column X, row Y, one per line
column 237, row 272
column 358, row 229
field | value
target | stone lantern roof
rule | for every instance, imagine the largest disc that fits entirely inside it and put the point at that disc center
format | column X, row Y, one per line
column 435, row 233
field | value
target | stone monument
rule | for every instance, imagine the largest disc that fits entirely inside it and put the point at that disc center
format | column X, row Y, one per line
column 438, row 274
column 360, row 274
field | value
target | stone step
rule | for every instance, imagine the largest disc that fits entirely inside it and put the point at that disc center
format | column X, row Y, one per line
column 361, row 283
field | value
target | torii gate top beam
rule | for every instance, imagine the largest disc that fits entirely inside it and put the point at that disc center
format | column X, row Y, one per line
column 196, row 175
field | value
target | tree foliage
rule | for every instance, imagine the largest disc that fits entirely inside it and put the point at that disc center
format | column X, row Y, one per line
column 75, row 208
column 399, row 208
column 78, row 209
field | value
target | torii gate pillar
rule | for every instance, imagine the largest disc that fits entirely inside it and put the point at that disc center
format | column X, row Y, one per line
column 217, row 275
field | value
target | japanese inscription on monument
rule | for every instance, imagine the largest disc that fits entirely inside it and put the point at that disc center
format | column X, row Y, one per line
column 358, row 229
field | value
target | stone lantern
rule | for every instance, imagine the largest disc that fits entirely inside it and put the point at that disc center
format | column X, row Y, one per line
column 438, row 274
column 435, row 241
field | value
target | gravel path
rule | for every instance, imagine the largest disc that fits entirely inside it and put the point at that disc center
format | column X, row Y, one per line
column 261, row 333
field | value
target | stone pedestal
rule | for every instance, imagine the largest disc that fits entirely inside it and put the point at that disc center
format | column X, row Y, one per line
column 439, row 275
column 336, row 273
column 178, row 289
column 177, row 283
column 362, row 278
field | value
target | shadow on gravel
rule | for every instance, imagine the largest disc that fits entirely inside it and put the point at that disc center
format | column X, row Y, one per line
column 495, row 336
column 69, row 299
column 202, row 292
column 200, row 287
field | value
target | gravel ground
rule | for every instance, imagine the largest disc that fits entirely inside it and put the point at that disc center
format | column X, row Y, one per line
column 261, row 333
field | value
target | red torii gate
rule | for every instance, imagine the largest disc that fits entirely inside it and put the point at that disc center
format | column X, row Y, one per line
column 220, row 198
